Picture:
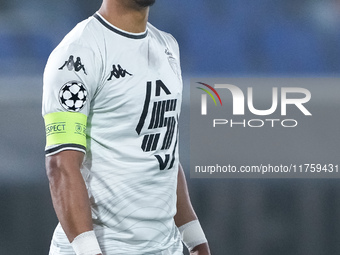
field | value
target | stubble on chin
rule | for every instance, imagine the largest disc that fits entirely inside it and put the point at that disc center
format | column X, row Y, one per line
column 144, row 3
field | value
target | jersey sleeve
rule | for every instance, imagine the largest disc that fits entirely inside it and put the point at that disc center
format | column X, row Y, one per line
column 175, row 60
column 70, row 82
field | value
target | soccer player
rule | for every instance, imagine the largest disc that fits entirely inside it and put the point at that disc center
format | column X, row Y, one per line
column 112, row 138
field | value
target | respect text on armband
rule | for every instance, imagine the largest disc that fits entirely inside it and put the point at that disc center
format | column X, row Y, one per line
column 56, row 128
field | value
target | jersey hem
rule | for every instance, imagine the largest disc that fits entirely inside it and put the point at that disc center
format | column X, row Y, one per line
column 62, row 147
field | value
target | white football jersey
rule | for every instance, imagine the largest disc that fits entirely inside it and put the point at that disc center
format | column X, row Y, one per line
column 116, row 96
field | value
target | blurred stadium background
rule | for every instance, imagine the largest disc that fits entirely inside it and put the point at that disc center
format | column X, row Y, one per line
column 217, row 38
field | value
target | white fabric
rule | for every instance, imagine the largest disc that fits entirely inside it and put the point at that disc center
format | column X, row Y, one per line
column 131, row 163
column 192, row 234
column 86, row 244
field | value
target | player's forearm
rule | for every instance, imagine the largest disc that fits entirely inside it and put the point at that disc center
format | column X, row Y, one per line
column 185, row 212
column 186, row 220
column 72, row 206
column 69, row 195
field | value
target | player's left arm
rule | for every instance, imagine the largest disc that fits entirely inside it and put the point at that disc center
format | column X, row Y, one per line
column 187, row 221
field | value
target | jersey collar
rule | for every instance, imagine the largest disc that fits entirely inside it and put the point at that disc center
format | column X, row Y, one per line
column 119, row 31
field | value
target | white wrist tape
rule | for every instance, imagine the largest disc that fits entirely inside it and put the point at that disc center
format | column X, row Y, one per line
column 86, row 244
column 192, row 234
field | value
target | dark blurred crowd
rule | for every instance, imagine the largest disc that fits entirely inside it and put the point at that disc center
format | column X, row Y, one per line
column 216, row 37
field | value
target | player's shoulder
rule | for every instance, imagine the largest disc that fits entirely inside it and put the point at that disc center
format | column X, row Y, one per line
column 161, row 36
column 83, row 36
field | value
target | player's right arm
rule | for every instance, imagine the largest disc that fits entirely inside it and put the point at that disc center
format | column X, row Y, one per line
column 65, row 118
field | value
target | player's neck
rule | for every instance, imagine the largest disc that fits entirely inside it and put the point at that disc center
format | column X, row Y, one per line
column 128, row 18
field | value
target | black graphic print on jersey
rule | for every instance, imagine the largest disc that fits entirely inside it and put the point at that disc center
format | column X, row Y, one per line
column 163, row 115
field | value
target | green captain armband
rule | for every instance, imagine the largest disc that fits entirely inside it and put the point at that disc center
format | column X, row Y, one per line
column 65, row 130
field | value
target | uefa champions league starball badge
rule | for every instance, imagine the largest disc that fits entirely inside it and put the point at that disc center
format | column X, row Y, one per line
column 73, row 96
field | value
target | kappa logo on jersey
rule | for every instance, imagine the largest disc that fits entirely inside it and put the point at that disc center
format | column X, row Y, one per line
column 71, row 65
column 73, row 96
column 173, row 63
column 162, row 116
column 167, row 52
column 118, row 72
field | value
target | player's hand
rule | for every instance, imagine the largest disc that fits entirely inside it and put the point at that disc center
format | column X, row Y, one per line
column 201, row 249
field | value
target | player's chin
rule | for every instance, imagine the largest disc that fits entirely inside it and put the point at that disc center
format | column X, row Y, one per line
column 145, row 3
